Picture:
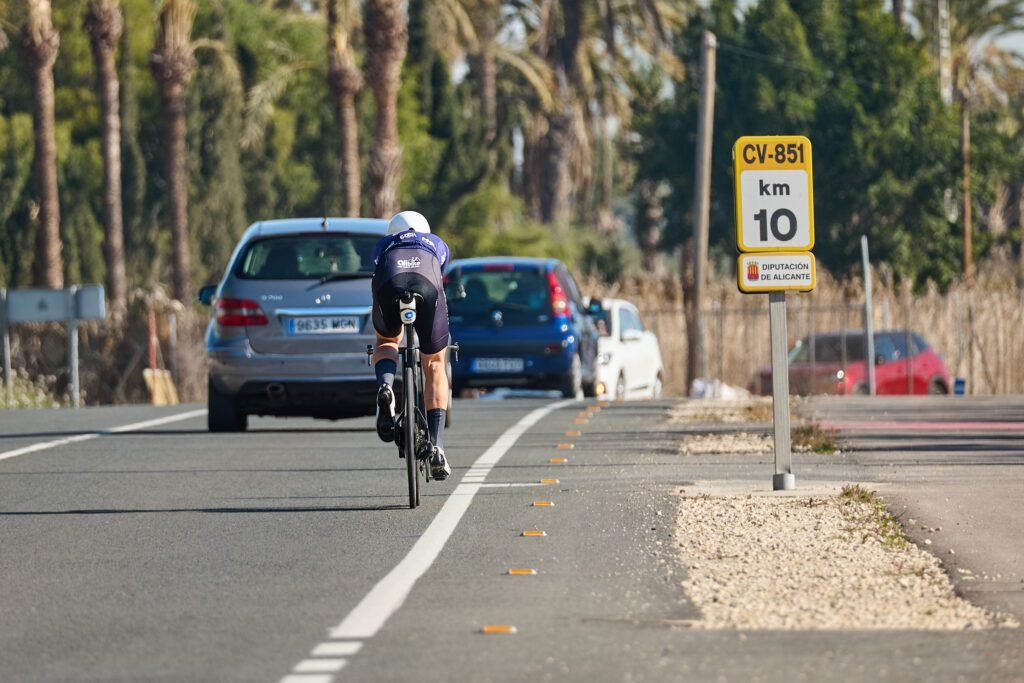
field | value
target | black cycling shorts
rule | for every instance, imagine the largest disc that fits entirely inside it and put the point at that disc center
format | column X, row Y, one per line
column 415, row 270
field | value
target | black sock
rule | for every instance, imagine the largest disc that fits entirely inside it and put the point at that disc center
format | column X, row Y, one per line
column 435, row 425
column 385, row 370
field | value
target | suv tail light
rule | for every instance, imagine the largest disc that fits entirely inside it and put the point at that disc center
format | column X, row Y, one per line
column 559, row 301
column 239, row 313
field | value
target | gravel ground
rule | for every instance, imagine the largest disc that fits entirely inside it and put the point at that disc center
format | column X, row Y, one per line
column 820, row 562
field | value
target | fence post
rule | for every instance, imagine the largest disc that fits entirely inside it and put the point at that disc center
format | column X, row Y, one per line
column 8, row 384
column 73, row 346
column 869, row 327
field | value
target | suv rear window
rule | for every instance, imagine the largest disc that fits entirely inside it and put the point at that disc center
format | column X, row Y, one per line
column 522, row 295
column 829, row 349
column 304, row 257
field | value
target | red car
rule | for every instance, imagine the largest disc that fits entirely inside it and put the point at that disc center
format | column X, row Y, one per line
column 837, row 366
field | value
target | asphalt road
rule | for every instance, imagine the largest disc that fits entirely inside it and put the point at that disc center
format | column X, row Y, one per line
column 165, row 553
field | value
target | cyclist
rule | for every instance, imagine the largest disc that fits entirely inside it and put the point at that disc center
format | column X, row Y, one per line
column 410, row 258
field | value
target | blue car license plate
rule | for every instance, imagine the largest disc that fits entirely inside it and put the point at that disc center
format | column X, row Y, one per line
column 498, row 365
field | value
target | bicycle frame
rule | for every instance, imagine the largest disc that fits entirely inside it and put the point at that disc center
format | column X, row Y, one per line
column 411, row 435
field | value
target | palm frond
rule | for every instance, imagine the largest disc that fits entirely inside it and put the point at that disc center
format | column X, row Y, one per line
column 261, row 99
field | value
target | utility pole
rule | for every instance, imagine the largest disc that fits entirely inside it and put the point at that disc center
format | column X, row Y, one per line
column 697, row 363
column 945, row 52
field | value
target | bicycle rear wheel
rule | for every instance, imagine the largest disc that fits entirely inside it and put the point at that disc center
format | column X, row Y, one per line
column 409, row 427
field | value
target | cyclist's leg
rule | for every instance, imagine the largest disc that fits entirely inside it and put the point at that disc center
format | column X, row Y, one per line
column 388, row 327
column 432, row 329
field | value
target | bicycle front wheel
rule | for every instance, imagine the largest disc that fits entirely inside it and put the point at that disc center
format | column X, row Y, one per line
column 409, row 442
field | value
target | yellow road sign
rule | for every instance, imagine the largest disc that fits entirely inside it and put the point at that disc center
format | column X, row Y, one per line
column 774, row 193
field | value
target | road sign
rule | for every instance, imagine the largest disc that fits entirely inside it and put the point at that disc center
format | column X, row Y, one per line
column 774, row 193
column 38, row 305
column 776, row 272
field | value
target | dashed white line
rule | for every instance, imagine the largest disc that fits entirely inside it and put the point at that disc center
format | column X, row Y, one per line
column 45, row 445
column 384, row 599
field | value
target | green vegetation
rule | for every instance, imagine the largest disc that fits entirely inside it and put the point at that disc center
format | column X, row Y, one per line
column 31, row 393
column 868, row 516
column 518, row 136
column 812, row 436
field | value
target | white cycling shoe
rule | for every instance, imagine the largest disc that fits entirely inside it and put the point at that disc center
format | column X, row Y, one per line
column 439, row 468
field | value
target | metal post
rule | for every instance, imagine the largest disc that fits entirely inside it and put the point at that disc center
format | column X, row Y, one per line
column 172, row 324
column 720, row 348
column 783, row 480
column 697, row 364
column 909, row 344
column 8, row 380
column 73, row 347
column 869, row 328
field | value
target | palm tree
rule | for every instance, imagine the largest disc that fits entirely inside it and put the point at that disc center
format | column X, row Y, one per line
column 40, row 42
column 973, row 27
column 172, row 62
column 387, row 35
column 104, row 22
column 591, row 48
column 345, row 80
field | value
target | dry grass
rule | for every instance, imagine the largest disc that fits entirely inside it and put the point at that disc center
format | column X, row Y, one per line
column 979, row 330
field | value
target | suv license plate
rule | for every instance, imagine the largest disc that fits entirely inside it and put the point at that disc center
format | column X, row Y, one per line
column 498, row 365
column 329, row 324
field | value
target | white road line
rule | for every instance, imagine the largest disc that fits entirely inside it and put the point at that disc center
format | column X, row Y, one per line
column 384, row 599
column 343, row 648
column 45, row 445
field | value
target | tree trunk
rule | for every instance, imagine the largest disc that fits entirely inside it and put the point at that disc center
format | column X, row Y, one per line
column 345, row 81
column 104, row 23
column 172, row 62
column 488, row 75
column 556, row 200
column 387, row 37
column 40, row 43
column 649, row 219
column 177, row 192
column 897, row 12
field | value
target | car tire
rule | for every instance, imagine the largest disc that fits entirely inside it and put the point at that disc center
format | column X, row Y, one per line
column 223, row 413
column 657, row 387
column 937, row 387
column 572, row 384
column 620, row 388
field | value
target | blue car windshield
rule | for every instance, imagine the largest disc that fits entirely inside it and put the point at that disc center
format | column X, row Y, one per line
column 304, row 257
column 521, row 295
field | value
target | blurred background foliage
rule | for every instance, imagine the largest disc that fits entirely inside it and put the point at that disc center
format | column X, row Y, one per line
column 262, row 136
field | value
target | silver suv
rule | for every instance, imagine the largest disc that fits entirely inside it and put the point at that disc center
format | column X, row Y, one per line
column 291, row 322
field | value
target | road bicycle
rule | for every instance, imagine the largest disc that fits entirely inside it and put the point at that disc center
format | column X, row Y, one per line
column 411, row 434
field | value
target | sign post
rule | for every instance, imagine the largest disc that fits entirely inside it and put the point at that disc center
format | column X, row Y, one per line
column 774, row 235
column 54, row 305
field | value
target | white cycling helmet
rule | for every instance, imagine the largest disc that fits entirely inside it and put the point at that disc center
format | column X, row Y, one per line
column 408, row 220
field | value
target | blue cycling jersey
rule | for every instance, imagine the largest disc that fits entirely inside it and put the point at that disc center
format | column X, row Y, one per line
column 410, row 239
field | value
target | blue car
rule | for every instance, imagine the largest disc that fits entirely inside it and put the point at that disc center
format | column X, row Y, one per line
column 520, row 322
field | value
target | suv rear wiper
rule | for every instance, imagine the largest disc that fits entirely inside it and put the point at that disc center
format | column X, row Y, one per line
column 344, row 276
